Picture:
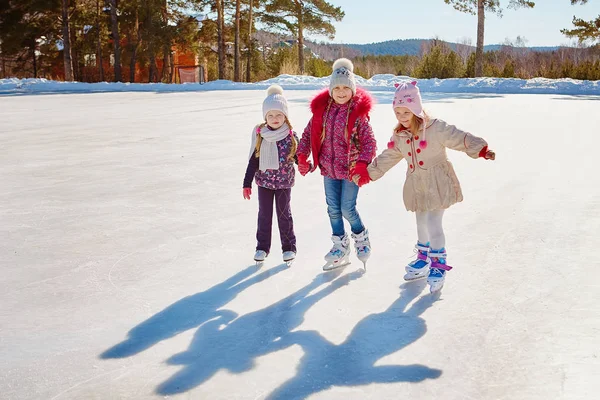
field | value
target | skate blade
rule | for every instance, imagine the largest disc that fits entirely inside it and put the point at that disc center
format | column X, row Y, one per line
column 435, row 287
column 364, row 264
column 288, row 262
column 331, row 266
column 410, row 278
column 259, row 263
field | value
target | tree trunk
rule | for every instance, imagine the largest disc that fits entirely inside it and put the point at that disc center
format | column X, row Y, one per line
column 133, row 61
column 34, row 60
column 236, row 60
column 300, row 12
column 480, row 33
column 2, row 62
column 152, row 69
column 99, row 49
column 114, row 22
column 249, row 62
column 166, row 67
column 68, row 61
column 134, row 47
column 221, row 38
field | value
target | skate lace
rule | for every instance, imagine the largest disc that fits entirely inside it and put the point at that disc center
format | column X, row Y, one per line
column 361, row 250
column 415, row 254
column 337, row 249
column 362, row 246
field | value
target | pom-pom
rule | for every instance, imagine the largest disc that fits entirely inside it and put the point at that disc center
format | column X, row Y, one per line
column 414, row 83
column 343, row 62
column 396, row 85
column 423, row 144
column 274, row 89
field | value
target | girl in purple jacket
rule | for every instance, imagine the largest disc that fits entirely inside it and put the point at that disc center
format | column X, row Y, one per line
column 341, row 141
column 271, row 164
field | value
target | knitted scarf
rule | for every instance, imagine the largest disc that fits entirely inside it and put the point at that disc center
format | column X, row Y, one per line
column 269, row 154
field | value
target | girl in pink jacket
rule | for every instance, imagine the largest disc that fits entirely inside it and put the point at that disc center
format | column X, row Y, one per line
column 431, row 185
column 341, row 140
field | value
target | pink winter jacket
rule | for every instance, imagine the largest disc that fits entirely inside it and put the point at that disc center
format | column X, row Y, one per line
column 341, row 147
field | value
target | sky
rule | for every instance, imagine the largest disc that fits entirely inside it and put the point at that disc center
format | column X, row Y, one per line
column 397, row 19
column 126, row 266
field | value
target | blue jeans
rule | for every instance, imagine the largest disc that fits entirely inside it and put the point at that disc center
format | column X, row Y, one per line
column 341, row 195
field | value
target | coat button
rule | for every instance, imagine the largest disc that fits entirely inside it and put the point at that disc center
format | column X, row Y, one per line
column 411, row 166
column 409, row 154
column 416, row 137
column 418, row 150
column 420, row 162
column 408, row 141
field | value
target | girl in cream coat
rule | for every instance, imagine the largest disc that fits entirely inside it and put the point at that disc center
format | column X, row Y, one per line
column 431, row 185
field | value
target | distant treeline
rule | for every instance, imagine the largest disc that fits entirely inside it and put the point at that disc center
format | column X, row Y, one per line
column 153, row 40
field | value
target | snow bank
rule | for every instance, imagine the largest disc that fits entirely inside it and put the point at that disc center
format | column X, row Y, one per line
column 383, row 82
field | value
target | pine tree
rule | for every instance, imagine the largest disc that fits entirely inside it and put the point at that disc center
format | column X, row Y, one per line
column 303, row 16
column 479, row 7
column 584, row 30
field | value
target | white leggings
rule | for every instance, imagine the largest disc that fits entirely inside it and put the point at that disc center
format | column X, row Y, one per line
column 429, row 228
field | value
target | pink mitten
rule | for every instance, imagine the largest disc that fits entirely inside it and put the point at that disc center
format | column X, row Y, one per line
column 246, row 193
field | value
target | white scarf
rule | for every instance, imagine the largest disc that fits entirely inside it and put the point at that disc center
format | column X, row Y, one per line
column 269, row 154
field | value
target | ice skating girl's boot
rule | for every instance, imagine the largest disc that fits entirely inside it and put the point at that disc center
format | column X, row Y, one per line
column 419, row 268
column 260, row 256
column 437, row 270
column 339, row 254
column 362, row 245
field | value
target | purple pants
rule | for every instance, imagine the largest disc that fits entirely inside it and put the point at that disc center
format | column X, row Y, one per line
column 284, row 219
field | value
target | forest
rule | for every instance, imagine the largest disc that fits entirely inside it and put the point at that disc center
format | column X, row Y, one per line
column 174, row 41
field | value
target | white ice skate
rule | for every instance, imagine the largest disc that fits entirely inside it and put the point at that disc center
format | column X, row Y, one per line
column 362, row 246
column 419, row 268
column 259, row 257
column 289, row 257
column 438, row 269
column 339, row 255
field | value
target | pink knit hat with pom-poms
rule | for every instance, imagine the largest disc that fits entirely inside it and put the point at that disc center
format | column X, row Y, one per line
column 408, row 95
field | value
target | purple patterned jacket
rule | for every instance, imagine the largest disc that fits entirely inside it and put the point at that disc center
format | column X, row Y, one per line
column 282, row 178
column 339, row 152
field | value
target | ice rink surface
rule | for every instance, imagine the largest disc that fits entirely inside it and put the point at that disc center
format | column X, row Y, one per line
column 127, row 273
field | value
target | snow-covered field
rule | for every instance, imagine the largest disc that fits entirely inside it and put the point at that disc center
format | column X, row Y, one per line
column 127, row 273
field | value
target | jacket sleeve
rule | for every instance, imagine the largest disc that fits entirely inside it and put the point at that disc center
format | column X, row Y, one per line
column 304, row 145
column 250, row 171
column 383, row 162
column 366, row 138
column 455, row 139
column 298, row 143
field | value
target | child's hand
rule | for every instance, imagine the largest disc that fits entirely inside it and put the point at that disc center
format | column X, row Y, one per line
column 304, row 166
column 246, row 192
column 359, row 174
column 490, row 155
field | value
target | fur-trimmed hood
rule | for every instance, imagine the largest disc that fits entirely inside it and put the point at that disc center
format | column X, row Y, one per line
column 362, row 102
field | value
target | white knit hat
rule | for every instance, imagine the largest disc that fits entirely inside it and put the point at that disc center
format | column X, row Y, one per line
column 343, row 75
column 275, row 101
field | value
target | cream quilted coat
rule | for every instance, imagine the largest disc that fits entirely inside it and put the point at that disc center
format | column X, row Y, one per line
column 431, row 183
